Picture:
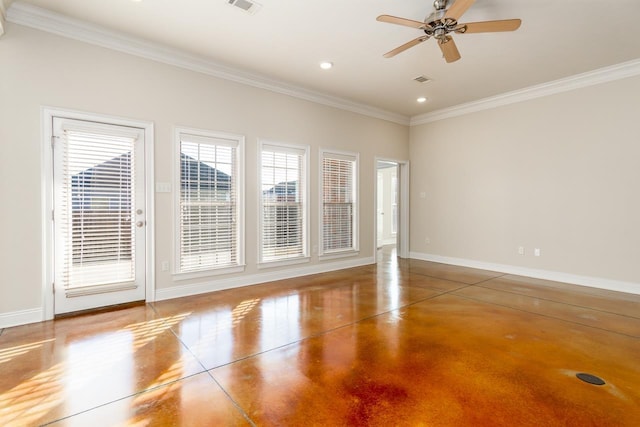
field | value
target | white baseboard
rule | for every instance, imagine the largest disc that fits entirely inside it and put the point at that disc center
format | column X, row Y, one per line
column 254, row 279
column 556, row 276
column 22, row 317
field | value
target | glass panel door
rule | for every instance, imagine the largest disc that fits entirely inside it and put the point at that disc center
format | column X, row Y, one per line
column 98, row 217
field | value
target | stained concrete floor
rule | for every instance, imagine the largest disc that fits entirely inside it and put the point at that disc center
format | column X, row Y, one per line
column 401, row 343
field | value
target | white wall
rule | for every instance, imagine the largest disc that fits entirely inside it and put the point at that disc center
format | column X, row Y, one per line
column 38, row 69
column 559, row 173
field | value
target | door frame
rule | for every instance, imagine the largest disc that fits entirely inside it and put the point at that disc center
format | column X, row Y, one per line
column 379, row 209
column 402, row 243
column 46, row 182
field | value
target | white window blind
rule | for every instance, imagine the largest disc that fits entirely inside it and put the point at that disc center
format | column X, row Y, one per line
column 208, row 203
column 94, row 209
column 283, row 203
column 338, row 202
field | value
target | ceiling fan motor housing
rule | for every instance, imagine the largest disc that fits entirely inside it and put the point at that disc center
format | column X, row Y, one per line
column 436, row 25
column 438, row 28
column 442, row 22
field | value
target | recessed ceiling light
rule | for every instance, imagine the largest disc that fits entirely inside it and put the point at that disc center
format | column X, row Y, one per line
column 325, row 65
column 422, row 99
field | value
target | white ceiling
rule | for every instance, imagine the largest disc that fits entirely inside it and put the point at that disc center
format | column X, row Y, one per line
column 286, row 39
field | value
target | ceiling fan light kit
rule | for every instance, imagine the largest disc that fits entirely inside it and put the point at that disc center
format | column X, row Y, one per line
column 444, row 21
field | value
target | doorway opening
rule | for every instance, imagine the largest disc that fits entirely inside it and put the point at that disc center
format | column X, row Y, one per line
column 391, row 193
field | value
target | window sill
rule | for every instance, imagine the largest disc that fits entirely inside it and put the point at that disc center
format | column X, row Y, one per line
column 336, row 255
column 207, row 273
column 284, row 262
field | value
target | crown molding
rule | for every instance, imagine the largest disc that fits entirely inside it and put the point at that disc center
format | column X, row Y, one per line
column 41, row 19
column 3, row 16
column 590, row 78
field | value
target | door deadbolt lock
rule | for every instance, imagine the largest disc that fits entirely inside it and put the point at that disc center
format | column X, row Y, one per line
column 139, row 224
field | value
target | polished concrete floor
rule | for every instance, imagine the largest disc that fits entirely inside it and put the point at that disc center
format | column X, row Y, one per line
column 401, row 343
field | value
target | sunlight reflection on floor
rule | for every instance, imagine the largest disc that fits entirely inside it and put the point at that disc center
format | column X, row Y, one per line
column 83, row 361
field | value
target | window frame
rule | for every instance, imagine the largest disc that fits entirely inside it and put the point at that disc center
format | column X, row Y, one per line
column 285, row 147
column 355, row 237
column 229, row 139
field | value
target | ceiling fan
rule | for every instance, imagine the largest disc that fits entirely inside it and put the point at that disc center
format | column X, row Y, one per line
column 442, row 22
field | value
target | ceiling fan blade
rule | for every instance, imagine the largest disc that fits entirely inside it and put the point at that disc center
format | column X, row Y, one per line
column 449, row 49
column 458, row 9
column 405, row 46
column 401, row 21
column 491, row 26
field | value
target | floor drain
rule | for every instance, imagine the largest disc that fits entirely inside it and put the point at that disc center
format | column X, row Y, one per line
column 591, row 379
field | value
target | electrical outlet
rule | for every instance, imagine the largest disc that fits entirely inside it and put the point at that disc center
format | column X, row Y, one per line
column 520, row 250
column 164, row 266
column 427, row 240
column 536, row 252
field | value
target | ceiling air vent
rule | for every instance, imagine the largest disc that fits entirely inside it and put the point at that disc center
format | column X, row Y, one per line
column 246, row 5
column 422, row 79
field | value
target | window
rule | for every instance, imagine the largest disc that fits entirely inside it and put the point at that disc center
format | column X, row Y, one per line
column 209, row 201
column 283, row 202
column 339, row 202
